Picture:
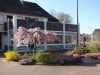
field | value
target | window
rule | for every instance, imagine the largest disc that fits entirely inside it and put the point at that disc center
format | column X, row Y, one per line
column 59, row 41
column 68, row 39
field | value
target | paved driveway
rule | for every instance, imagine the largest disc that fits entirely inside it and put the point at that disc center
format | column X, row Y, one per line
column 13, row 68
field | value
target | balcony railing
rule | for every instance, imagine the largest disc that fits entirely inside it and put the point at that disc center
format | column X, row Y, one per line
column 25, row 48
column 52, row 26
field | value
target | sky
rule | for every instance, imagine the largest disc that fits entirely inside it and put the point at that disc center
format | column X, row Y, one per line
column 89, row 12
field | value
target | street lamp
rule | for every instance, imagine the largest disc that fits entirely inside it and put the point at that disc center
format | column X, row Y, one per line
column 77, row 27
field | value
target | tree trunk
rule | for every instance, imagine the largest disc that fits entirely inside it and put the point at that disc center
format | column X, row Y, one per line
column 34, row 49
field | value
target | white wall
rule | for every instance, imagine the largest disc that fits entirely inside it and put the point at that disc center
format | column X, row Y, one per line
column 1, row 19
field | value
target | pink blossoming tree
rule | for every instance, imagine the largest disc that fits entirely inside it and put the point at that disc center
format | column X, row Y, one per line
column 33, row 36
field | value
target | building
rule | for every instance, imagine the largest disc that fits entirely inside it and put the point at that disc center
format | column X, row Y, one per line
column 15, row 13
column 95, row 36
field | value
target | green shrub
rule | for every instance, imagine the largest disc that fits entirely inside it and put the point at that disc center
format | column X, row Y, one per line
column 12, row 56
column 42, row 57
column 27, row 55
column 80, row 50
column 94, row 47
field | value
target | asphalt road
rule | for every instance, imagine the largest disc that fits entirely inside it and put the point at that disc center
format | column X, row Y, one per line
column 14, row 68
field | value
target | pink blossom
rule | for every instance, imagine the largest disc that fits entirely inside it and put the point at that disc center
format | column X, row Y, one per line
column 22, row 29
column 35, row 35
column 27, row 41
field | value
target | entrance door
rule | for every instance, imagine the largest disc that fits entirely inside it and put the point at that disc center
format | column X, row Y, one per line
column 0, row 40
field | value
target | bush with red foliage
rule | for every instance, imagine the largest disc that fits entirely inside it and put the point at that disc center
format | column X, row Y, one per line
column 96, row 57
column 68, row 58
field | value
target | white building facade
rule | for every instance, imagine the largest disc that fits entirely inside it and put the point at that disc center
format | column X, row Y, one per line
column 67, row 33
column 15, row 13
